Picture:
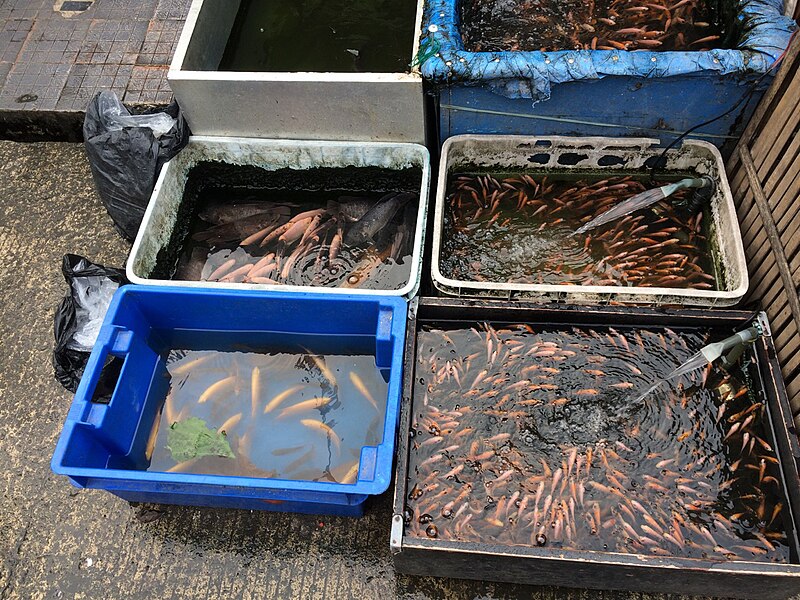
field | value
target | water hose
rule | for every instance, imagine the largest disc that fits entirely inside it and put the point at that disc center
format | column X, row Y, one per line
column 647, row 198
column 734, row 345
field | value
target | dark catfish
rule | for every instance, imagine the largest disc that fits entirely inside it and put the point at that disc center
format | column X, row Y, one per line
column 220, row 214
column 190, row 267
column 236, row 231
column 377, row 218
column 351, row 208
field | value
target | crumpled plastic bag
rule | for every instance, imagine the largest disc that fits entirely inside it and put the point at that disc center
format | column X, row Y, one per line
column 126, row 153
column 115, row 117
column 79, row 316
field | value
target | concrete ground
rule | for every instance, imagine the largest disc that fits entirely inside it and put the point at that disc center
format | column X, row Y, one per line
column 60, row 542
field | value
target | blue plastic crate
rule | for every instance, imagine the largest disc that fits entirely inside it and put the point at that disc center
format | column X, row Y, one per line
column 102, row 445
column 599, row 92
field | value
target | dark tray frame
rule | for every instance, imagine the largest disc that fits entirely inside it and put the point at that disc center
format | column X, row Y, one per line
column 599, row 570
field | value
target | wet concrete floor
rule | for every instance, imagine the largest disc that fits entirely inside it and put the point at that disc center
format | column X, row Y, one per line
column 60, row 542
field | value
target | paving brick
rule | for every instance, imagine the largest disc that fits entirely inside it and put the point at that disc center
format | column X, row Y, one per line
column 12, row 37
column 59, row 54
column 172, row 9
column 160, row 42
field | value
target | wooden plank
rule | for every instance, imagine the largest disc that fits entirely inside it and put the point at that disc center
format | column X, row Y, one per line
column 764, row 176
column 786, row 163
column 791, row 349
column 775, row 136
column 794, row 260
column 794, row 404
column 762, row 110
column 779, row 114
column 765, row 108
column 793, row 391
column 760, row 260
column 787, row 225
column 748, row 211
column 765, row 271
column 775, row 133
column 785, row 193
column 778, row 184
column 780, row 315
column 768, row 287
column 772, row 231
column 790, row 363
column 790, row 237
column 778, row 286
column 759, row 257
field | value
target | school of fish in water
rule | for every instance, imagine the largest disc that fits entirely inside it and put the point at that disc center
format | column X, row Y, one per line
column 547, row 25
column 353, row 242
column 519, row 229
column 286, row 415
column 531, row 436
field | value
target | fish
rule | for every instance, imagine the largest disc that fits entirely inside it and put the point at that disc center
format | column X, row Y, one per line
column 285, row 451
column 182, row 467
column 190, row 268
column 151, row 441
column 299, row 461
column 376, row 218
column 169, row 409
column 351, row 475
column 359, row 384
column 236, row 231
column 320, row 426
column 221, row 270
column 223, row 213
column 230, row 423
column 295, row 231
column 259, row 235
column 276, row 401
column 223, row 385
column 311, row 404
column 350, row 208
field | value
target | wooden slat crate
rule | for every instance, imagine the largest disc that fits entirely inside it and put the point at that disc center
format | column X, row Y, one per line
column 764, row 173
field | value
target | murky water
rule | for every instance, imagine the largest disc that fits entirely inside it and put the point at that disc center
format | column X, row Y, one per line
column 531, row 436
column 288, row 414
column 511, row 228
column 527, row 25
column 301, row 238
column 322, row 36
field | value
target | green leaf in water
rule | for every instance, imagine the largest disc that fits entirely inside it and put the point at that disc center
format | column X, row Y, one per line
column 192, row 438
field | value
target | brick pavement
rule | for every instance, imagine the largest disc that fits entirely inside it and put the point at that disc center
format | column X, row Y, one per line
column 54, row 56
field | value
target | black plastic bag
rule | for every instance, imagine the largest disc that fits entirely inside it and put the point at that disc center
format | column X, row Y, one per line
column 126, row 153
column 79, row 317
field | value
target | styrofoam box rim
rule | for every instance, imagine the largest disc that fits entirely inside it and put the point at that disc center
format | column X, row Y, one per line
column 488, row 148
column 175, row 170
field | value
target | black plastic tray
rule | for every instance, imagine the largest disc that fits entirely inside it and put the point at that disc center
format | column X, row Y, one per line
column 599, row 570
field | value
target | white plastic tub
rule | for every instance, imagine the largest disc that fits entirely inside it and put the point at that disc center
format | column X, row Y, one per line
column 162, row 216
column 301, row 105
column 620, row 155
